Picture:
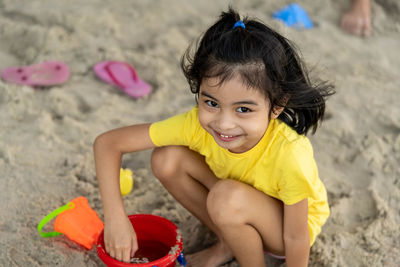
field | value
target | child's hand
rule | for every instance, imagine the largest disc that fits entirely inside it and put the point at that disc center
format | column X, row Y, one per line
column 120, row 239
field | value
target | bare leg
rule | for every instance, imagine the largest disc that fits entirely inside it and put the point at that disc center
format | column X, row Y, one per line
column 357, row 19
column 249, row 220
column 188, row 178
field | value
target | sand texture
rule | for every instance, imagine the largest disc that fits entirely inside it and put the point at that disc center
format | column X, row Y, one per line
column 46, row 134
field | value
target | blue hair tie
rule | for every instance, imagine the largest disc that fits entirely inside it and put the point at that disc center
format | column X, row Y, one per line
column 239, row 23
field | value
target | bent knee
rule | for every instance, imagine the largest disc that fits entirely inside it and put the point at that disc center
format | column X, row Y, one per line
column 165, row 161
column 226, row 202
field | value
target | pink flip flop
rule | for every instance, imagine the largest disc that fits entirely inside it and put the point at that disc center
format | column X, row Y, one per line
column 43, row 74
column 122, row 75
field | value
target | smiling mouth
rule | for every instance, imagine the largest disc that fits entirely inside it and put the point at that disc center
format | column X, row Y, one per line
column 225, row 137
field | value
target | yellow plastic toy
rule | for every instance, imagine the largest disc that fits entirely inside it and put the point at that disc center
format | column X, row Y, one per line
column 125, row 181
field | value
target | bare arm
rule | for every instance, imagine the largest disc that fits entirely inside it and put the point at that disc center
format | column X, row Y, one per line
column 120, row 238
column 296, row 234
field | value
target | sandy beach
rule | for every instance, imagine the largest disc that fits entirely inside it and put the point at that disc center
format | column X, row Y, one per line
column 46, row 134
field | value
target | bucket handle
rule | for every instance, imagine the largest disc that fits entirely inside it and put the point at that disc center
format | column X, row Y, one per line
column 51, row 216
column 181, row 259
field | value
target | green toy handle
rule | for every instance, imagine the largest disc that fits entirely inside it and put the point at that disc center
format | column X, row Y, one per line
column 51, row 216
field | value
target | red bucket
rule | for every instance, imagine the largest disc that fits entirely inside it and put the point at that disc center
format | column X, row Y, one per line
column 158, row 241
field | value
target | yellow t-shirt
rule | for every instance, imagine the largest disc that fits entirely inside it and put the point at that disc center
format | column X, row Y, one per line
column 281, row 165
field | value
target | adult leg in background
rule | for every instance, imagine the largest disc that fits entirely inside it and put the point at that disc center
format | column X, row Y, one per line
column 357, row 19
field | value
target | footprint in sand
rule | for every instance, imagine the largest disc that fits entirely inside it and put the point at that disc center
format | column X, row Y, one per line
column 358, row 209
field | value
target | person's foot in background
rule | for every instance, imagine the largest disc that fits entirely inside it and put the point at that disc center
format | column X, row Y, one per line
column 357, row 19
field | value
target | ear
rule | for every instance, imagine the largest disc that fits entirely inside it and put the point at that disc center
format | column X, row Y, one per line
column 276, row 111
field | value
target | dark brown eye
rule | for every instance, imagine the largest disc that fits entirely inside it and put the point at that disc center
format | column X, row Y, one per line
column 243, row 110
column 211, row 103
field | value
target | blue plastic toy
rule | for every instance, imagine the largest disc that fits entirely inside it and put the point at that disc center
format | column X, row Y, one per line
column 294, row 15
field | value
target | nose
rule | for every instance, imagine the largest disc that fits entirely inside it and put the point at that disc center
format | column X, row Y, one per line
column 225, row 121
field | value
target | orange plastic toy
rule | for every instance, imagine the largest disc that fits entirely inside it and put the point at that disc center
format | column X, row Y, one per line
column 77, row 220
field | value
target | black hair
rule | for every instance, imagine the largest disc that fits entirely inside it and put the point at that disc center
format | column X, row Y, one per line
column 265, row 60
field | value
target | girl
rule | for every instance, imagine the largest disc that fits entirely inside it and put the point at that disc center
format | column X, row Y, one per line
column 239, row 161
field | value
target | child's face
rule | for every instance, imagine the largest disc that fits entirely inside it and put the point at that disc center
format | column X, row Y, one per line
column 235, row 115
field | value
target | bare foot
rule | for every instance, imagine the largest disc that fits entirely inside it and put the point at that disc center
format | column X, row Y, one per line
column 213, row 256
column 357, row 20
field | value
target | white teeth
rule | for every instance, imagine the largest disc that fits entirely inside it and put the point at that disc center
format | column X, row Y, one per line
column 226, row 136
